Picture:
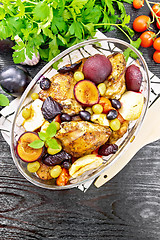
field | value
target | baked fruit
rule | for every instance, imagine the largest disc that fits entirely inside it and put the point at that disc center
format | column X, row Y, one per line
column 132, row 105
column 133, row 78
column 26, row 153
column 86, row 93
column 97, row 68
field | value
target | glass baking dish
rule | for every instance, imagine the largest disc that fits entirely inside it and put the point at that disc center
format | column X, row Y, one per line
column 85, row 49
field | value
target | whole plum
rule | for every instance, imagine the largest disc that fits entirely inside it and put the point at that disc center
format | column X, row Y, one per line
column 97, row 68
column 133, row 78
column 14, row 79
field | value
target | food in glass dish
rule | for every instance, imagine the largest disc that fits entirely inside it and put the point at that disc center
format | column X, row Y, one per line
column 78, row 117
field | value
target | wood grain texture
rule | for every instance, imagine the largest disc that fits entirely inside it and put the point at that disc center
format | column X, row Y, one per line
column 126, row 208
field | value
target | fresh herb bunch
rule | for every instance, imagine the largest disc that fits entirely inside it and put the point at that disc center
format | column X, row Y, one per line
column 49, row 26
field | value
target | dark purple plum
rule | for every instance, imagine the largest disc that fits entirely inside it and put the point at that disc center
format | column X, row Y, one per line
column 72, row 68
column 97, row 68
column 50, row 109
column 107, row 149
column 58, row 158
column 14, row 80
column 133, row 78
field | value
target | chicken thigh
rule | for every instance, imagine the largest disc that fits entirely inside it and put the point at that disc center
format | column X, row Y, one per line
column 61, row 91
column 115, row 83
column 82, row 137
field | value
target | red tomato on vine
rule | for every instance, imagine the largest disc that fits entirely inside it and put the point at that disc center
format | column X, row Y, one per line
column 138, row 3
column 156, row 44
column 156, row 56
column 156, row 9
column 147, row 39
column 141, row 23
column 158, row 25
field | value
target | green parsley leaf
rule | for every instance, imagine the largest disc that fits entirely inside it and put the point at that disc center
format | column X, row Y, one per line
column 78, row 5
column 21, row 8
column 122, row 9
column 110, row 7
column 36, row 144
column 51, row 25
column 76, row 29
column 129, row 53
column 41, row 11
column 66, row 15
column 2, row 12
column 4, row 101
column 53, row 48
column 19, row 54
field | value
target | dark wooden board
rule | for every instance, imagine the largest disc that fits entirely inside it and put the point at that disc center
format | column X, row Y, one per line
column 126, row 208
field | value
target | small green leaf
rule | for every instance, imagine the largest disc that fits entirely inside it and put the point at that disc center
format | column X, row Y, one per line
column 4, row 101
column 129, row 53
column 43, row 136
column 52, row 143
column 36, row 144
column 110, row 7
column 122, row 9
column 41, row 11
column 51, row 130
column 126, row 19
column 136, row 43
column 2, row 12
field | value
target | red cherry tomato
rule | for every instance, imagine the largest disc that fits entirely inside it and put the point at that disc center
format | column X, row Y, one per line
column 156, row 56
column 138, row 3
column 147, row 39
column 141, row 23
column 156, row 44
column 156, row 9
column 158, row 25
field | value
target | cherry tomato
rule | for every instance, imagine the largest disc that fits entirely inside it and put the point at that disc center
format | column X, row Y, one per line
column 138, row 3
column 158, row 25
column 156, row 9
column 156, row 44
column 147, row 39
column 156, row 56
column 141, row 23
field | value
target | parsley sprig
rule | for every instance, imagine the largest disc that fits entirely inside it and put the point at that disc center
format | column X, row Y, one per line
column 49, row 26
column 46, row 137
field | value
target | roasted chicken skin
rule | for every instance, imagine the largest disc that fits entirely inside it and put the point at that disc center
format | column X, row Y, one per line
column 115, row 83
column 82, row 137
column 61, row 90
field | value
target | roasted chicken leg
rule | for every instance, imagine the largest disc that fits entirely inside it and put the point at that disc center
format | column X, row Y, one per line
column 82, row 137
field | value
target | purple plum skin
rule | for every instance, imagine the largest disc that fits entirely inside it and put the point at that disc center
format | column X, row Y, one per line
column 133, row 78
column 97, row 68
